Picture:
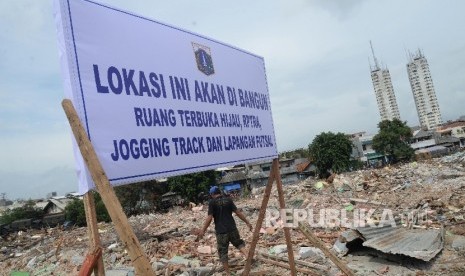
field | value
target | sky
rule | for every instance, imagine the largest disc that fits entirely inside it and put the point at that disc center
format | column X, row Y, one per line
column 317, row 61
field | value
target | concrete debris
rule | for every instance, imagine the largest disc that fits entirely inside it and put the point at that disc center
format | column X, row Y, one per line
column 77, row 259
column 112, row 246
column 278, row 249
column 179, row 260
column 32, row 263
column 423, row 197
column 197, row 208
column 120, row 272
column 204, row 249
column 200, row 271
column 312, row 254
column 459, row 243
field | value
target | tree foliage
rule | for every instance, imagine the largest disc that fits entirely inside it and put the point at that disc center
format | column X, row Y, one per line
column 140, row 197
column 392, row 140
column 137, row 198
column 296, row 153
column 190, row 185
column 330, row 152
column 75, row 212
column 28, row 211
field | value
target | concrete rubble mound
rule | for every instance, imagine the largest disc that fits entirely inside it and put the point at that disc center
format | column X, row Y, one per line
column 426, row 200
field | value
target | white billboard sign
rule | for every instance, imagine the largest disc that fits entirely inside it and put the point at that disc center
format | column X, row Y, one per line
column 157, row 100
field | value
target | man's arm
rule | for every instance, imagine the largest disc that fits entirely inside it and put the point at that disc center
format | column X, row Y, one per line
column 243, row 218
column 205, row 226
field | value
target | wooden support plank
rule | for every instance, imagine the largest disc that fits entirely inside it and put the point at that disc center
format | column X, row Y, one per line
column 123, row 228
column 299, row 262
column 285, row 265
column 261, row 273
column 261, row 216
column 92, row 229
column 316, row 242
column 90, row 262
column 287, row 234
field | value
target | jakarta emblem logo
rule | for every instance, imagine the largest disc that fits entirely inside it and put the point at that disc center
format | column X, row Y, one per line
column 203, row 58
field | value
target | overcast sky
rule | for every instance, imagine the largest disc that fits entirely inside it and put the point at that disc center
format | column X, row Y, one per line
column 316, row 54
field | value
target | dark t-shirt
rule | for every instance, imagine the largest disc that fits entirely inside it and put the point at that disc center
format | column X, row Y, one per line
column 221, row 209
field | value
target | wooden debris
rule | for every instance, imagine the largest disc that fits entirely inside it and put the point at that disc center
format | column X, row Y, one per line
column 261, row 273
column 286, row 265
column 299, row 262
column 316, row 242
column 90, row 262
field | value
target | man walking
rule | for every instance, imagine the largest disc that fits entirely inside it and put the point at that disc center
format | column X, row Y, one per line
column 220, row 208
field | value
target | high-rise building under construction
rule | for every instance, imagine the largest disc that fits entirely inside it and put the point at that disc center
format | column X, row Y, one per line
column 423, row 91
column 385, row 97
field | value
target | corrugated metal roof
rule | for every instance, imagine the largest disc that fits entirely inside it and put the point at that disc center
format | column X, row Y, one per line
column 233, row 177
column 60, row 203
column 258, row 174
column 416, row 243
column 448, row 139
column 423, row 133
column 41, row 205
column 431, row 149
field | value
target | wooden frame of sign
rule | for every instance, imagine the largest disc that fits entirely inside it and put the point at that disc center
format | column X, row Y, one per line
column 120, row 221
column 274, row 176
column 139, row 259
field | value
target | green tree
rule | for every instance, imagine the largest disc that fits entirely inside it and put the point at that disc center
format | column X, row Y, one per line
column 141, row 197
column 330, row 152
column 190, row 185
column 296, row 153
column 75, row 212
column 392, row 140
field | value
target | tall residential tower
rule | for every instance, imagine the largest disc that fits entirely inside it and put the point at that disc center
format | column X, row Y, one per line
column 384, row 91
column 423, row 91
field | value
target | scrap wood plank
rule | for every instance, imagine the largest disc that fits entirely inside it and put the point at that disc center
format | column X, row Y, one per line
column 286, row 265
column 287, row 232
column 90, row 262
column 120, row 221
column 299, row 262
column 261, row 273
column 367, row 201
column 274, row 176
column 316, row 242
column 261, row 216
column 92, row 229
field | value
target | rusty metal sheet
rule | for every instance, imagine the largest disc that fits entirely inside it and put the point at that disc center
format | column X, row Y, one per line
column 416, row 243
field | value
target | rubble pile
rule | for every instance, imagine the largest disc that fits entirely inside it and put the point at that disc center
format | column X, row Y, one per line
column 427, row 195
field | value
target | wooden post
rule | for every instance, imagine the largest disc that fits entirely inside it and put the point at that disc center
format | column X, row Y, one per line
column 261, row 216
column 316, row 242
column 123, row 228
column 92, row 229
column 287, row 234
column 274, row 174
column 91, row 262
